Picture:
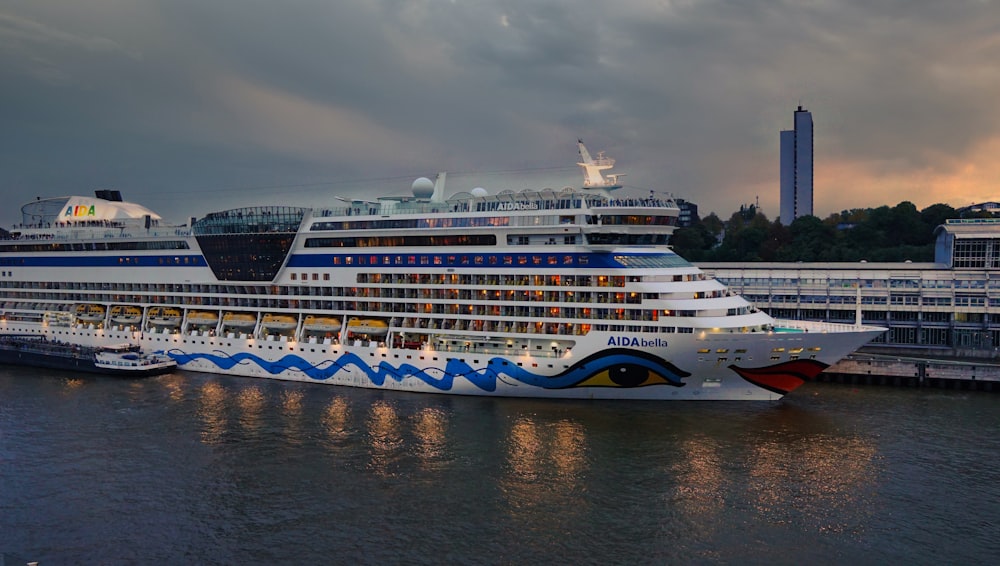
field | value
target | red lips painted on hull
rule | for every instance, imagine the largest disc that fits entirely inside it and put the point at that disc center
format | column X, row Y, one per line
column 782, row 378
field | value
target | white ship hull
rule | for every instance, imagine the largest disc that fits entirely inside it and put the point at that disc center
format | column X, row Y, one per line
column 535, row 294
column 671, row 369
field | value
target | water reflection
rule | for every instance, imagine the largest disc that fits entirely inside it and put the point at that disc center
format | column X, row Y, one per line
column 72, row 383
column 291, row 410
column 175, row 385
column 250, row 401
column 336, row 420
column 569, row 450
column 430, row 426
column 212, row 412
column 811, row 478
column 699, row 482
column 524, row 451
column 385, row 438
column 546, row 464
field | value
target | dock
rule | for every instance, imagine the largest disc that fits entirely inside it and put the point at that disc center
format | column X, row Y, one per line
column 874, row 369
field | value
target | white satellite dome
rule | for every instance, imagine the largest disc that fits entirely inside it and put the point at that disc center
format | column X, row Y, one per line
column 423, row 188
column 479, row 192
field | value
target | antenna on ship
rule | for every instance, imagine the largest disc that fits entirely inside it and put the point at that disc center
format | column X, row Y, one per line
column 592, row 176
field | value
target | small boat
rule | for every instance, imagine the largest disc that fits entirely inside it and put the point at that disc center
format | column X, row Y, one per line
column 58, row 318
column 128, row 361
column 203, row 318
column 125, row 360
column 371, row 326
column 239, row 320
column 126, row 314
column 90, row 313
column 278, row 322
column 164, row 316
column 314, row 323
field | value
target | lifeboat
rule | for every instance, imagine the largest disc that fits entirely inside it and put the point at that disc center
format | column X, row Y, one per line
column 126, row 314
column 278, row 322
column 58, row 318
column 164, row 316
column 371, row 326
column 321, row 324
column 239, row 320
column 90, row 313
column 203, row 318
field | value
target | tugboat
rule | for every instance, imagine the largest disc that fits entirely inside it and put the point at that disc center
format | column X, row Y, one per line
column 124, row 360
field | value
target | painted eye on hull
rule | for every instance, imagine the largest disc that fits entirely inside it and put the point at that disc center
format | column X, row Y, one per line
column 627, row 375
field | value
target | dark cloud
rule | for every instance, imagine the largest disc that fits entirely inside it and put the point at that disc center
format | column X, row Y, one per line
column 232, row 102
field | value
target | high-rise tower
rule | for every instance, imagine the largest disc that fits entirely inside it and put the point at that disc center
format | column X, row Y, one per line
column 797, row 168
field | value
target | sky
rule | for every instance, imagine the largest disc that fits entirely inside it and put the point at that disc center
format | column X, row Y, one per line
column 193, row 106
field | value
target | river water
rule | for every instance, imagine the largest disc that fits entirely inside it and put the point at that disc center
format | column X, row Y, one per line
column 194, row 468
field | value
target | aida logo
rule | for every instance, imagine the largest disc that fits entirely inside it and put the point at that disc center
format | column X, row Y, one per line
column 517, row 206
column 80, row 210
column 634, row 342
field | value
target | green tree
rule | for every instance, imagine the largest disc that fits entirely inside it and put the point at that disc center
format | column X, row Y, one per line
column 692, row 242
column 713, row 224
column 893, row 234
column 935, row 215
column 906, row 227
column 778, row 237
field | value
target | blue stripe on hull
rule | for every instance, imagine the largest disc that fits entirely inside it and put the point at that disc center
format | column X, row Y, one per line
column 641, row 369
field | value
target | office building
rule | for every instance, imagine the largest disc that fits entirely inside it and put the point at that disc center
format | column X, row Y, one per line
column 797, row 168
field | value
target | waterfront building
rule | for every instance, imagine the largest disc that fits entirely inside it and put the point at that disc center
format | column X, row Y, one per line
column 947, row 308
column 797, row 168
column 990, row 207
column 688, row 213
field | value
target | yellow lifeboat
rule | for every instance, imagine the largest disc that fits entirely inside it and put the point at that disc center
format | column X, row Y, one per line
column 314, row 323
column 126, row 314
column 164, row 316
column 203, row 318
column 239, row 320
column 278, row 322
column 371, row 326
column 90, row 313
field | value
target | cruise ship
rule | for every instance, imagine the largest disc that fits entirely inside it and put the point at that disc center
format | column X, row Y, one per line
column 569, row 293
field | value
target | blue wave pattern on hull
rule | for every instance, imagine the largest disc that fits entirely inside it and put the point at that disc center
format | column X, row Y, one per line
column 612, row 368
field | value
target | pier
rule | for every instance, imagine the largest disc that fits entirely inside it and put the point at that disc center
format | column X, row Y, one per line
column 873, row 369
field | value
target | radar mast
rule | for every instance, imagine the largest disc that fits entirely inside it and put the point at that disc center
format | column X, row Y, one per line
column 593, row 178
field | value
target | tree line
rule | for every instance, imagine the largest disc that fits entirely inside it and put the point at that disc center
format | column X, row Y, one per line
column 893, row 234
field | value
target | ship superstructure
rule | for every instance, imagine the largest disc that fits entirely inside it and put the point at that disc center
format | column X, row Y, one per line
column 552, row 293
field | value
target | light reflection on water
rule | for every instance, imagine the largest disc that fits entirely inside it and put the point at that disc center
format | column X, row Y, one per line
column 236, row 470
column 336, row 420
column 250, row 402
column 291, row 410
column 384, row 438
column 212, row 411
column 430, row 428
column 176, row 386
column 827, row 473
column 699, row 480
column 545, row 463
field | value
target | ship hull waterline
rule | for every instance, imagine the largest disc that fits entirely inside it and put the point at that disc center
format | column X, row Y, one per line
column 651, row 372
